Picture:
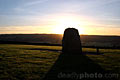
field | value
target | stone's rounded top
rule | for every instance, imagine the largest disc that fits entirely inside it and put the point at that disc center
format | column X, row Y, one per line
column 71, row 29
column 71, row 32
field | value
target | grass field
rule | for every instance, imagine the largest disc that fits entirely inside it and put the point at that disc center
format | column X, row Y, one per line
column 27, row 62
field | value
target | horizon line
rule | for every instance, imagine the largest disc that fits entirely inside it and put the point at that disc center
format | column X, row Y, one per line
column 52, row 34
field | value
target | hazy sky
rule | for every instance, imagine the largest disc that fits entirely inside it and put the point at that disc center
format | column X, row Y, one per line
column 96, row 17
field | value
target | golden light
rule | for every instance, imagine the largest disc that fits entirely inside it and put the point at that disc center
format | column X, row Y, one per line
column 60, row 30
column 68, row 22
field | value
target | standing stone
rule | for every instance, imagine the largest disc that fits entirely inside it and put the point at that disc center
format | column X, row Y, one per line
column 71, row 42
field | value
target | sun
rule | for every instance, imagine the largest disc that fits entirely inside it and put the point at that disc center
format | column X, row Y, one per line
column 60, row 30
column 67, row 23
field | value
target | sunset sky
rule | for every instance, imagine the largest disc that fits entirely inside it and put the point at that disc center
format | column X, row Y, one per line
column 92, row 17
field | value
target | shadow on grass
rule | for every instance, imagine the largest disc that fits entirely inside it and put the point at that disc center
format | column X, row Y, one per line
column 76, row 67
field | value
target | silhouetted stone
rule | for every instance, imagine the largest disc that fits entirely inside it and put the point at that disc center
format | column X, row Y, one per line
column 71, row 42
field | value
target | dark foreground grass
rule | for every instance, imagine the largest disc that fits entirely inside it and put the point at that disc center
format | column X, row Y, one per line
column 19, row 62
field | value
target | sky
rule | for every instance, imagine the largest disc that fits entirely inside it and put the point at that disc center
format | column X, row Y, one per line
column 92, row 17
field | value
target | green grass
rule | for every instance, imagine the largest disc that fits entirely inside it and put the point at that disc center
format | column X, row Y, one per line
column 19, row 62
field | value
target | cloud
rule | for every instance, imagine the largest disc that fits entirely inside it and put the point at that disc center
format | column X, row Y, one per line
column 34, row 2
column 18, row 9
column 24, row 7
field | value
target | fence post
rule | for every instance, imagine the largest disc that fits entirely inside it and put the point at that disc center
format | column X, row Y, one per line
column 97, row 50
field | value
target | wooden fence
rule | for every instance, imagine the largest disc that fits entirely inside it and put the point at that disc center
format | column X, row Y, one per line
column 48, row 44
column 98, row 48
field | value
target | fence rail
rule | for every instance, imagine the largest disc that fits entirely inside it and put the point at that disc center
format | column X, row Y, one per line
column 48, row 44
column 99, row 47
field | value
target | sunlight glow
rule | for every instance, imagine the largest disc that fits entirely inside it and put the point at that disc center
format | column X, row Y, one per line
column 68, row 22
column 60, row 30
